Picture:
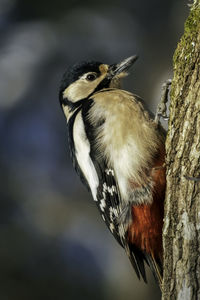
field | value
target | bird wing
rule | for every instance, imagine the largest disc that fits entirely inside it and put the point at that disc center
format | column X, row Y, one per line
column 109, row 205
column 108, row 198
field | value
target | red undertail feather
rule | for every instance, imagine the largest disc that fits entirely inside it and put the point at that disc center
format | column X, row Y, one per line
column 145, row 232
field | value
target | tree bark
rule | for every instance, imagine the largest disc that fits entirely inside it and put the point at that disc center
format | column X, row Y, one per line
column 181, row 232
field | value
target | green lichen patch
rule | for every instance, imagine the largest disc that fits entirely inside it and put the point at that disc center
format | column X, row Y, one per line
column 186, row 51
column 186, row 55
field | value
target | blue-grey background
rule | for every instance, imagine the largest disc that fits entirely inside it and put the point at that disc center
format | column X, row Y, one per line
column 54, row 244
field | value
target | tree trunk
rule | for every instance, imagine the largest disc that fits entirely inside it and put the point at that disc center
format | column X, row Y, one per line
column 181, row 232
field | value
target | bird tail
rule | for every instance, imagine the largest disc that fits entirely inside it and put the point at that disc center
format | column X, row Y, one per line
column 156, row 268
column 138, row 257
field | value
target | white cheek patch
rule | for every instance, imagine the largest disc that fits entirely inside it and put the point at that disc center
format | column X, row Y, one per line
column 82, row 148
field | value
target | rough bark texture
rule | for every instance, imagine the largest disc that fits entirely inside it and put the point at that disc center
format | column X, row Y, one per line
column 181, row 232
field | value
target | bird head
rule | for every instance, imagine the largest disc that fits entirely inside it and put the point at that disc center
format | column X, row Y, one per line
column 86, row 78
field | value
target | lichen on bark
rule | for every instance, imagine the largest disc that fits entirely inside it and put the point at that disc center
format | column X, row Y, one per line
column 181, row 232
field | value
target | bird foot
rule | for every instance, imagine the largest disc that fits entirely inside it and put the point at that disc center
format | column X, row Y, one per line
column 196, row 179
column 161, row 111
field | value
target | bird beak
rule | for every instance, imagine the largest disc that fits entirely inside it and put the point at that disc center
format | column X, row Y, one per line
column 122, row 66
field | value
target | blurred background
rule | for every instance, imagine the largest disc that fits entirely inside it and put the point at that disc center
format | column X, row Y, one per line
column 54, row 244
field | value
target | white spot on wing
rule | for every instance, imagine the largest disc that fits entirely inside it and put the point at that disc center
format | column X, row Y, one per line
column 121, row 231
column 113, row 213
column 112, row 227
column 109, row 172
column 103, row 217
column 102, row 204
column 82, row 148
column 105, row 187
column 110, row 189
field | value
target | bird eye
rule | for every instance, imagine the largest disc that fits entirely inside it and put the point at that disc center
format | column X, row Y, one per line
column 91, row 77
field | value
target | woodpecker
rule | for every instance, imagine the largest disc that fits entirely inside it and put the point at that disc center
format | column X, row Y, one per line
column 117, row 149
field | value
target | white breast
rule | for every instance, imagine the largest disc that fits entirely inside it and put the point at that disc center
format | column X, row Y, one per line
column 127, row 139
column 82, row 149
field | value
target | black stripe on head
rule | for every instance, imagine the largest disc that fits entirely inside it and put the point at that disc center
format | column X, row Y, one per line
column 78, row 70
column 104, row 84
column 72, row 105
column 73, row 74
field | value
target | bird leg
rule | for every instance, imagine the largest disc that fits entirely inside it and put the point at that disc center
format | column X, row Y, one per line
column 161, row 111
column 196, row 179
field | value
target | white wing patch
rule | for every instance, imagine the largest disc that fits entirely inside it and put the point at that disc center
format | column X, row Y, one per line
column 82, row 148
column 102, row 204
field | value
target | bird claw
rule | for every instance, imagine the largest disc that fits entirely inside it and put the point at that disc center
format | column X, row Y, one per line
column 196, row 179
column 162, row 106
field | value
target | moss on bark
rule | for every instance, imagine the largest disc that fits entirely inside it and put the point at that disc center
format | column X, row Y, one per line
column 181, row 232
